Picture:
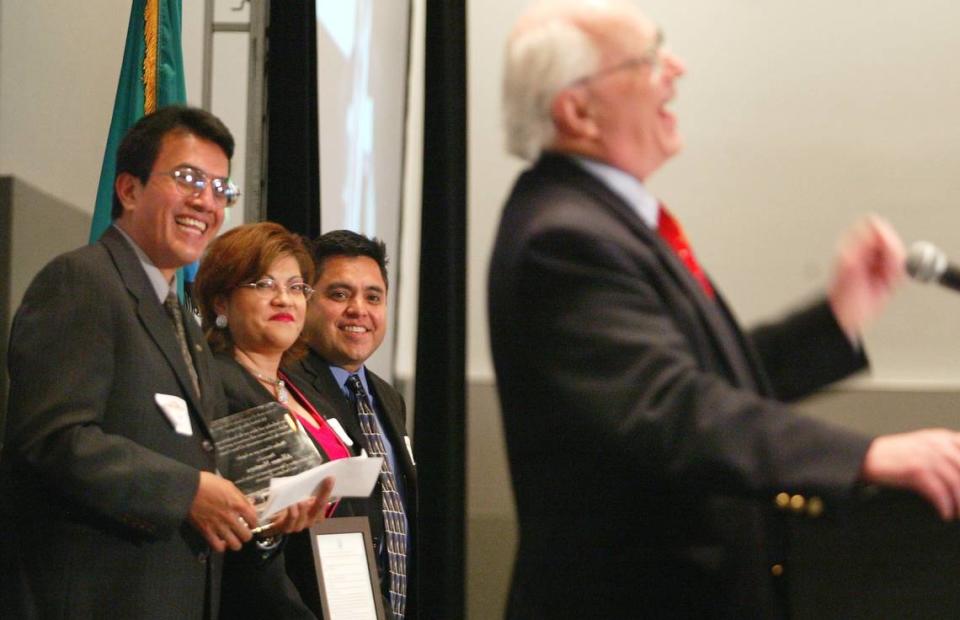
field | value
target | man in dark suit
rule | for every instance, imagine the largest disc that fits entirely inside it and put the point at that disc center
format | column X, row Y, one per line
column 110, row 506
column 651, row 455
column 346, row 322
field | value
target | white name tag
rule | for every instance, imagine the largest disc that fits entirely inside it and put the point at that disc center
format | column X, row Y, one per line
column 339, row 430
column 175, row 409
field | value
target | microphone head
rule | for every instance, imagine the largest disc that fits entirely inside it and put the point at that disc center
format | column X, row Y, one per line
column 926, row 262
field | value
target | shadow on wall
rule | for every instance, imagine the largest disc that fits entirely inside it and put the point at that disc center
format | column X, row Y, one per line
column 34, row 227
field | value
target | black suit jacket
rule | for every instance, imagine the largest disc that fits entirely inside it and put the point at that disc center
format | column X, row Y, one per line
column 255, row 580
column 312, row 375
column 95, row 484
column 645, row 436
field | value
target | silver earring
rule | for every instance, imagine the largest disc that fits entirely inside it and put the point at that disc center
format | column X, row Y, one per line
column 221, row 321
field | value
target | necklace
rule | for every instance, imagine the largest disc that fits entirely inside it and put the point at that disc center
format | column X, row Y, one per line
column 282, row 395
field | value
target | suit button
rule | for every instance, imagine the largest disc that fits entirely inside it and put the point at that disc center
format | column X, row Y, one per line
column 207, row 446
column 776, row 570
column 797, row 502
column 814, row 507
column 202, row 557
column 782, row 500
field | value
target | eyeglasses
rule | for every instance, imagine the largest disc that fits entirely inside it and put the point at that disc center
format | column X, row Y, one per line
column 269, row 288
column 650, row 57
column 192, row 181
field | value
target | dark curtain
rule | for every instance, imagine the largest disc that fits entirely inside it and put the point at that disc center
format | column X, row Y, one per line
column 439, row 418
column 292, row 191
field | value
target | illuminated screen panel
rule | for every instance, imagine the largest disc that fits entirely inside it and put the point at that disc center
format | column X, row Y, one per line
column 362, row 58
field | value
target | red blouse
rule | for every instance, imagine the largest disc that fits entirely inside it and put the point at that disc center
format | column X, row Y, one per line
column 318, row 430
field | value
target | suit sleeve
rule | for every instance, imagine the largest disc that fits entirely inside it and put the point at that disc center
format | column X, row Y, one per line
column 806, row 351
column 619, row 373
column 63, row 370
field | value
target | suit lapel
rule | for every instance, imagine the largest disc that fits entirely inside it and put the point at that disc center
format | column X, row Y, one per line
column 317, row 371
column 712, row 312
column 337, row 404
column 202, row 358
column 313, row 372
column 154, row 318
column 393, row 420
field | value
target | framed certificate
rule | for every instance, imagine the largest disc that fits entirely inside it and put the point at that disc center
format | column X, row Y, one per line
column 346, row 569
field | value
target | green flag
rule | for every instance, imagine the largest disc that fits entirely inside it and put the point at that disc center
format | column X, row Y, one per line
column 151, row 77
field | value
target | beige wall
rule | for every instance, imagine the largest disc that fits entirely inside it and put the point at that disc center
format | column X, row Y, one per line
column 798, row 118
column 59, row 65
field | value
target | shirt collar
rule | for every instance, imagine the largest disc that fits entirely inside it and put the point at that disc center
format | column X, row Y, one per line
column 160, row 285
column 625, row 185
column 342, row 374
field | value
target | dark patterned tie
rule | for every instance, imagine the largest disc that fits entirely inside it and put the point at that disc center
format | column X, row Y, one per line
column 394, row 517
column 172, row 304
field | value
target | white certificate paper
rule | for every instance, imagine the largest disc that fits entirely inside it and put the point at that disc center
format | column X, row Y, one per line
column 348, row 592
column 353, row 477
column 347, row 573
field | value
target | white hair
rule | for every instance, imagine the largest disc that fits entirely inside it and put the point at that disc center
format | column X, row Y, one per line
column 541, row 60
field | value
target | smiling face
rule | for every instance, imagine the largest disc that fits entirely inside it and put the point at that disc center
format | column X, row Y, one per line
column 171, row 227
column 637, row 131
column 264, row 322
column 619, row 113
column 347, row 315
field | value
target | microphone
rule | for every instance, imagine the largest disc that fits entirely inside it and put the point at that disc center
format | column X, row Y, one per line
column 927, row 263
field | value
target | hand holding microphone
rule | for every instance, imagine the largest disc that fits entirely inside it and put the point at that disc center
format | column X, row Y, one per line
column 871, row 262
column 869, row 265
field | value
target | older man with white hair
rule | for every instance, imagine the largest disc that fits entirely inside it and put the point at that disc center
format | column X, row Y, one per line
column 651, row 453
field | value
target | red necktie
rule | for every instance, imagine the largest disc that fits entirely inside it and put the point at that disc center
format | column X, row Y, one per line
column 671, row 232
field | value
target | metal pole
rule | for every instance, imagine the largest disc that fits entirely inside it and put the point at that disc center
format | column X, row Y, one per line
column 255, row 185
column 206, row 94
column 255, row 208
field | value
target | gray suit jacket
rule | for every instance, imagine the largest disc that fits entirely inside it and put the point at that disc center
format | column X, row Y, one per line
column 312, row 375
column 645, row 431
column 95, row 483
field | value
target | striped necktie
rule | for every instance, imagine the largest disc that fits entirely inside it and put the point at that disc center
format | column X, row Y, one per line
column 172, row 304
column 394, row 516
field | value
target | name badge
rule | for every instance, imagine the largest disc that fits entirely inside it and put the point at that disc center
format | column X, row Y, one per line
column 176, row 411
column 339, row 430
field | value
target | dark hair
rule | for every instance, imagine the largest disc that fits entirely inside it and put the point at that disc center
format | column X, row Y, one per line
column 349, row 243
column 141, row 144
column 238, row 256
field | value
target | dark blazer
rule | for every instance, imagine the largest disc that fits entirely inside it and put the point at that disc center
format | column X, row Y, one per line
column 645, row 432
column 312, row 375
column 95, row 484
column 255, row 581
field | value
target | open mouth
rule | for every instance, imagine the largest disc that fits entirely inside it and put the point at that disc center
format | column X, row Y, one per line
column 355, row 329
column 665, row 113
column 191, row 224
column 666, row 116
